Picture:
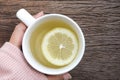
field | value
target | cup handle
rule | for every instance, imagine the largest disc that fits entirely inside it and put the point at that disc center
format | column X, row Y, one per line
column 25, row 17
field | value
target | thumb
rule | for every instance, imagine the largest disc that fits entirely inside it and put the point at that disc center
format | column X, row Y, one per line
column 66, row 76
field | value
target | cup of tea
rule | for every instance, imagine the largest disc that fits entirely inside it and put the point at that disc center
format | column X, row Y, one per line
column 53, row 43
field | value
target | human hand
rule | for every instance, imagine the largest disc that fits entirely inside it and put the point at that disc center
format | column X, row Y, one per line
column 16, row 39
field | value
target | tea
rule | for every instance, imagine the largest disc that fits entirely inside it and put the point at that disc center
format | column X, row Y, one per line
column 38, row 35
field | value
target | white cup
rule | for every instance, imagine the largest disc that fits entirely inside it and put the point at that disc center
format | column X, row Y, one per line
column 31, row 23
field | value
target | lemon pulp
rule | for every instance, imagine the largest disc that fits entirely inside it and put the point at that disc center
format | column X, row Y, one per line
column 59, row 46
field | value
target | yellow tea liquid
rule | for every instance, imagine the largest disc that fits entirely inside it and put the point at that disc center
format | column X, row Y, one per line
column 38, row 35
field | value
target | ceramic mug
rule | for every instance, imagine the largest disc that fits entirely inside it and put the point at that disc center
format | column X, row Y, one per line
column 31, row 23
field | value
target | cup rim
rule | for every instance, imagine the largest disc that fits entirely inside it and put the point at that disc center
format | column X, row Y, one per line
column 40, row 68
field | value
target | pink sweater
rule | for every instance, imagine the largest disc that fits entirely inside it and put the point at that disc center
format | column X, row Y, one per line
column 13, row 66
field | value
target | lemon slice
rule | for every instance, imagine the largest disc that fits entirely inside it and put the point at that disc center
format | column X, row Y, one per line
column 59, row 46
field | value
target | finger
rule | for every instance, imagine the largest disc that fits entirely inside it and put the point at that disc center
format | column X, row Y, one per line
column 38, row 14
column 17, row 35
column 66, row 76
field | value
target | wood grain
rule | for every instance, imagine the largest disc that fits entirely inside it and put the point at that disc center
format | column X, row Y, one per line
column 99, row 21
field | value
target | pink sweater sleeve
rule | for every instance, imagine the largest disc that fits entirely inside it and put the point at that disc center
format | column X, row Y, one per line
column 13, row 66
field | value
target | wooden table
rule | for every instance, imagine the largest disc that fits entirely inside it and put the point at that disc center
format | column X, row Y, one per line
column 99, row 21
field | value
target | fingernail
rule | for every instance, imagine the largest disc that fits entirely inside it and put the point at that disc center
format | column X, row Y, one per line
column 67, row 76
column 41, row 13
